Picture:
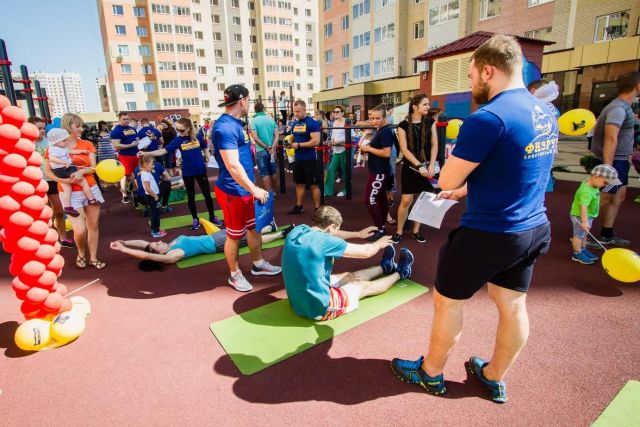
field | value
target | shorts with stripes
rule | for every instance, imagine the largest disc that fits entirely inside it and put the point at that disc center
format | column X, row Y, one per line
column 239, row 213
column 342, row 300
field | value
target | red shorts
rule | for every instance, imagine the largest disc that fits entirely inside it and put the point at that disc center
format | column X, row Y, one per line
column 239, row 213
column 338, row 304
column 129, row 163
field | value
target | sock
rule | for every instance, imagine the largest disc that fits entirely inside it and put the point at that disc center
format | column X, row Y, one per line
column 607, row 232
column 258, row 264
column 236, row 273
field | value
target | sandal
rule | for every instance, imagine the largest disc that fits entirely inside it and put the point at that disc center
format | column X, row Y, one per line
column 81, row 262
column 98, row 265
column 392, row 222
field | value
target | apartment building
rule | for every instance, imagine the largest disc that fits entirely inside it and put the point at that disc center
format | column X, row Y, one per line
column 169, row 54
column 64, row 91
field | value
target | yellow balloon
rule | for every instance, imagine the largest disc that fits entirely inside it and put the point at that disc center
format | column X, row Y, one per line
column 81, row 305
column 576, row 122
column 67, row 326
column 288, row 139
column 453, row 128
column 67, row 224
column 110, row 170
column 622, row 264
column 209, row 227
column 33, row 334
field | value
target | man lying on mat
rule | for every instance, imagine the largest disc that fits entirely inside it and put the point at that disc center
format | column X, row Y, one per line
column 154, row 254
column 307, row 261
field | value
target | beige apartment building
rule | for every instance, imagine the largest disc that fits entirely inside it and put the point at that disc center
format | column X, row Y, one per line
column 170, row 54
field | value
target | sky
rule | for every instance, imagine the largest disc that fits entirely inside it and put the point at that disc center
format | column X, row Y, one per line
column 54, row 36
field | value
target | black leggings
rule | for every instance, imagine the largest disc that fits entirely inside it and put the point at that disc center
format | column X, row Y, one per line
column 165, row 192
column 203, row 183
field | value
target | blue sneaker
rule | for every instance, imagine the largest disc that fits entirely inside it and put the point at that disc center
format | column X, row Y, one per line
column 166, row 209
column 586, row 252
column 497, row 389
column 218, row 222
column 195, row 225
column 582, row 258
column 410, row 371
column 387, row 263
column 404, row 263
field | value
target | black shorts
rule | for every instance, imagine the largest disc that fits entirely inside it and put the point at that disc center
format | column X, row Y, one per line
column 53, row 188
column 65, row 173
column 411, row 182
column 622, row 167
column 306, row 172
column 470, row 258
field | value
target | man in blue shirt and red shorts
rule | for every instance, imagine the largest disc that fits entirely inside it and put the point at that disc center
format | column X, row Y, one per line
column 235, row 188
column 125, row 140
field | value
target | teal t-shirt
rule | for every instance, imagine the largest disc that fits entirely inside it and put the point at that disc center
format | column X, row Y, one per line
column 264, row 126
column 588, row 196
column 197, row 245
column 307, row 261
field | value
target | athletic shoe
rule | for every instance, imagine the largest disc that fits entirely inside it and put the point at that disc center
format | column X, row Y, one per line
column 410, row 371
column 615, row 240
column 591, row 244
column 296, row 210
column 590, row 255
column 338, row 181
column 582, row 258
column 126, row 199
column 419, row 237
column 376, row 235
column 497, row 389
column 239, row 283
column 405, row 261
column 71, row 211
column 387, row 263
column 158, row 234
column 265, row 269
column 274, row 226
column 341, row 194
column 195, row 225
column 287, row 230
column 217, row 222
column 397, row 238
column 166, row 209
column 67, row 243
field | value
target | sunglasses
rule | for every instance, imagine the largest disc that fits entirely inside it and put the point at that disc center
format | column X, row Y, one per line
column 337, row 111
column 180, row 130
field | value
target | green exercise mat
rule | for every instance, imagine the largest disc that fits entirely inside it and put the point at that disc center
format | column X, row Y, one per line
column 199, row 198
column 207, row 258
column 272, row 333
column 624, row 409
column 184, row 220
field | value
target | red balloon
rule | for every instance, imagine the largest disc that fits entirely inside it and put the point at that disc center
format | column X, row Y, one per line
column 56, row 264
column 9, row 245
column 27, row 246
column 66, row 305
column 51, row 237
column 2, row 236
column 4, row 102
column 37, row 295
column 17, row 226
column 47, row 213
column 24, row 147
column 8, row 206
column 45, row 254
column 47, row 280
column 61, row 289
column 30, row 309
column 20, row 288
column 13, row 164
column 9, row 135
column 57, row 246
column 35, row 159
column 31, row 272
column 33, row 206
column 13, row 115
column 6, row 182
column 40, row 314
column 21, row 190
column 38, row 230
column 29, row 131
column 52, row 303
column 32, row 174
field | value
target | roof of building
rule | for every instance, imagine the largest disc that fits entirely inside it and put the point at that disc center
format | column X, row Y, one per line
column 467, row 43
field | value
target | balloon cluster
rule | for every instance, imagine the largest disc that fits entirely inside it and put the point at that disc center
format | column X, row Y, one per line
column 25, row 219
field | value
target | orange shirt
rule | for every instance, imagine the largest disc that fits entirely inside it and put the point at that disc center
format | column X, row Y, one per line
column 81, row 161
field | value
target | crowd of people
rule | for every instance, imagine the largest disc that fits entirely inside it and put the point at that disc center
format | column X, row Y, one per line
column 501, row 163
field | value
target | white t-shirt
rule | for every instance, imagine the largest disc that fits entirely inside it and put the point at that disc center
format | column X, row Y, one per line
column 147, row 177
column 61, row 154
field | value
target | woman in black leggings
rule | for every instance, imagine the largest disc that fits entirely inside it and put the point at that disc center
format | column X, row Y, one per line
column 194, row 167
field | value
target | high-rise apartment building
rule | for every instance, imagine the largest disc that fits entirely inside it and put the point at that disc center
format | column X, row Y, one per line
column 64, row 91
column 182, row 53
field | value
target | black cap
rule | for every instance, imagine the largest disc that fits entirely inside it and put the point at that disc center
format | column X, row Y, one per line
column 233, row 94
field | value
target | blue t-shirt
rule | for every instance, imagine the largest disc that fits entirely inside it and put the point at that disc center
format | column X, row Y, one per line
column 301, row 130
column 384, row 137
column 228, row 134
column 154, row 136
column 192, row 158
column 307, row 261
column 198, row 245
column 513, row 138
column 158, row 170
column 126, row 135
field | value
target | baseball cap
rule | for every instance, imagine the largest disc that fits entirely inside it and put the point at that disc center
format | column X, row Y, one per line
column 233, row 94
column 56, row 135
column 608, row 173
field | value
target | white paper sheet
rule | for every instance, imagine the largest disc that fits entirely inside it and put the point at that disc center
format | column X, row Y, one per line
column 427, row 210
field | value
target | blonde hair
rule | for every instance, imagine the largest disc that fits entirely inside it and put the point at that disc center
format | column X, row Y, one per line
column 326, row 216
column 500, row 51
column 70, row 119
column 146, row 160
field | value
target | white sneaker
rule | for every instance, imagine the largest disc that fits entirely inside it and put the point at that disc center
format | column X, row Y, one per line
column 265, row 269
column 240, row 283
column 340, row 194
column 338, row 181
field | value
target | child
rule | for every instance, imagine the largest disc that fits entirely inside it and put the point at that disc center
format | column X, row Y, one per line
column 62, row 167
column 152, row 194
column 586, row 204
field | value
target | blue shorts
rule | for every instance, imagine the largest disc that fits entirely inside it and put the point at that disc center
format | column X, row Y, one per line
column 265, row 166
column 577, row 229
column 622, row 166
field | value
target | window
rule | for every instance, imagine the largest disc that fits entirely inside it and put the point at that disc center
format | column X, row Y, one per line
column 251, row 5
column 160, row 8
column 386, row 32
column 612, row 26
column 540, row 34
column 217, row 37
column 255, row 71
column 286, row 37
column 164, row 47
column 132, row 106
column 217, row 53
column 146, row 69
column 170, row 102
column 327, row 4
column 345, row 22
column 188, row 84
column 184, row 48
column 253, row 39
column 204, row 87
column 240, row 71
column 205, row 103
column 221, row 86
column 181, row 11
column 238, row 54
column 383, row 66
column 444, row 13
column 138, row 12
column 121, row 30
column 142, row 32
column 295, row 26
column 118, row 9
column 215, row 19
column 328, row 82
column 309, row 42
column 383, row 3
column 151, row 105
column 345, row 51
column 199, row 35
column 200, row 53
column 309, row 73
column 125, row 68
column 144, row 50
column 149, row 87
column 328, row 30
column 197, row 17
column 285, row 21
column 162, row 28
column 187, row 66
column 295, row 11
column 166, row 66
column 309, row 86
column 361, row 40
column 538, row 2
column 256, row 86
column 237, row 38
column 360, row 8
column 235, row 20
column 182, row 29
column 128, row 87
column 362, row 70
column 307, row 13
column 214, row 2
column 235, row 4
column 202, row 70
column 490, row 8
column 123, row 50
column 308, row 28
column 418, row 30
column 310, row 57
column 252, row 22
column 219, row 71
column 169, row 84
column 345, row 79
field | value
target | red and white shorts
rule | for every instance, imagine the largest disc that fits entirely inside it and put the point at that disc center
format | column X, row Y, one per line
column 342, row 300
column 130, row 163
column 239, row 213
